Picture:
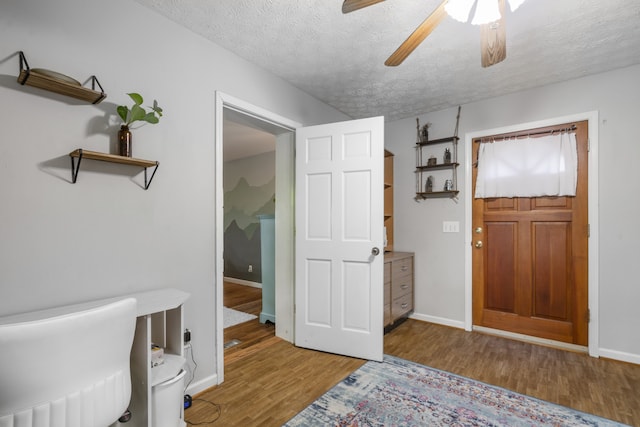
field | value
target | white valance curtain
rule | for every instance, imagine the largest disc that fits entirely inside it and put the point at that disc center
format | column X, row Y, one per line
column 530, row 167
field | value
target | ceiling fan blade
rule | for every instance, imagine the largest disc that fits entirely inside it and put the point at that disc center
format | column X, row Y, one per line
column 493, row 40
column 420, row 33
column 351, row 5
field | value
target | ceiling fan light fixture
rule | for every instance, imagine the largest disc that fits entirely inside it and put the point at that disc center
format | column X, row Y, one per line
column 486, row 11
column 459, row 9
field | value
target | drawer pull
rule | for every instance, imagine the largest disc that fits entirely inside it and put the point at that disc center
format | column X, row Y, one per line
column 405, row 305
column 404, row 268
column 405, row 286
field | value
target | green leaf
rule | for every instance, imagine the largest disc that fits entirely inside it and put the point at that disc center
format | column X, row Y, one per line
column 136, row 98
column 122, row 112
column 151, row 118
column 157, row 108
column 137, row 113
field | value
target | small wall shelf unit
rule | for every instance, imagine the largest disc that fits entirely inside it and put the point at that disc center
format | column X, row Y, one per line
column 423, row 170
column 160, row 321
column 388, row 200
column 59, row 83
column 437, row 155
column 112, row 158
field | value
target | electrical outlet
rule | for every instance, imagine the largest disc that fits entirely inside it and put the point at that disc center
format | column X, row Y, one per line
column 250, row 268
column 450, row 227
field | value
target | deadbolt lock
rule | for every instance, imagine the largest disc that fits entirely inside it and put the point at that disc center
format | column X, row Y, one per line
column 478, row 230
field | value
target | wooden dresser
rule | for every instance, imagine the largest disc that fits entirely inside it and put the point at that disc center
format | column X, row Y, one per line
column 398, row 286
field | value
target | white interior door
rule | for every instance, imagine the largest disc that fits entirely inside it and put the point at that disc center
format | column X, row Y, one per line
column 339, row 228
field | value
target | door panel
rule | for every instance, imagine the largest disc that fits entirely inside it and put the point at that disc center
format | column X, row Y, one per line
column 318, row 303
column 318, row 208
column 551, row 275
column 356, row 288
column 356, row 210
column 501, row 266
column 530, row 274
column 339, row 219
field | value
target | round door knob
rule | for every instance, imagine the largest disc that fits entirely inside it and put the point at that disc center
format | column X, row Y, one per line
column 375, row 251
column 478, row 244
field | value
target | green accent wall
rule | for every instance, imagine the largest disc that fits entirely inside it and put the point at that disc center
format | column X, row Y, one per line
column 249, row 191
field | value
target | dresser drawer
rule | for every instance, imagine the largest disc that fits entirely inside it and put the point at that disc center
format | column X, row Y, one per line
column 398, row 287
column 401, row 286
column 401, row 267
column 402, row 305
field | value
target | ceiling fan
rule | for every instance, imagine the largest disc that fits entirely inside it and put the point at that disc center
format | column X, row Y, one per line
column 489, row 14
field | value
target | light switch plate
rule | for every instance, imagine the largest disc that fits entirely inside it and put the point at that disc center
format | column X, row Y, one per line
column 450, row 226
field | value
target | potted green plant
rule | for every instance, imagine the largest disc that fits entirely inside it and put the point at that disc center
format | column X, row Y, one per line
column 131, row 115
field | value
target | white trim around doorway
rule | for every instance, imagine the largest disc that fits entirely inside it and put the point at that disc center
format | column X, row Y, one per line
column 284, row 216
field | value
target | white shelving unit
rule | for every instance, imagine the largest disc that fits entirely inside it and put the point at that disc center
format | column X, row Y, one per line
column 160, row 321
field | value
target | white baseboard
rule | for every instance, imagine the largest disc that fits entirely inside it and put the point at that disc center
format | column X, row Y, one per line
column 267, row 316
column 438, row 320
column 607, row 353
column 243, row 282
column 620, row 355
column 202, row 384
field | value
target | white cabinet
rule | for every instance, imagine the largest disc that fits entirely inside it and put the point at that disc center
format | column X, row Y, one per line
column 160, row 321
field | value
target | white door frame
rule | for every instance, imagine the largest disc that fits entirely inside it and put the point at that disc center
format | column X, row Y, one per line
column 592, row 118
column 284, row 219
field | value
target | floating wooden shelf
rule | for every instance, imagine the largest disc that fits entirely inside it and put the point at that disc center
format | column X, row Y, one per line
column 54, row 82
column 111, row 158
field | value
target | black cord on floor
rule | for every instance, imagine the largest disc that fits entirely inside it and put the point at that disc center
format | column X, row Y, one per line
column 217, row 415
column 217, row 407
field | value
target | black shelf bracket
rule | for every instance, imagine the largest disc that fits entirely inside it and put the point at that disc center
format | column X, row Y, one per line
column 75, row 168
column 80, row 154
column 147, row 184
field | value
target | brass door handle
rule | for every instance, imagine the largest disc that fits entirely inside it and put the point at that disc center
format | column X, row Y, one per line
column 478, row 244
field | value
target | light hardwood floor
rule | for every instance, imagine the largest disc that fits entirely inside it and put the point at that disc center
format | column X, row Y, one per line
column 270, row 385
column 252, row 335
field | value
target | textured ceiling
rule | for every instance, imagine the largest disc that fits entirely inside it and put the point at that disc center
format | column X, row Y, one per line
column 339, row 58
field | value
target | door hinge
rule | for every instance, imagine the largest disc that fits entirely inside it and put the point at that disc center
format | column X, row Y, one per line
column 588, row 145
column 588, row 230
column 587, row 315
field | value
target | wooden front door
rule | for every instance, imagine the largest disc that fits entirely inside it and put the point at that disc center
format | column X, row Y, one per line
column 530, row 259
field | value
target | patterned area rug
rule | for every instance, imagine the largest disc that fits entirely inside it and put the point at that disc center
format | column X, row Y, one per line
column 234, row 317
column 400, row 393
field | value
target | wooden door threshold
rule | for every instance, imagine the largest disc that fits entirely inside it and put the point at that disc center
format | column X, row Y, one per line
column 532, row 340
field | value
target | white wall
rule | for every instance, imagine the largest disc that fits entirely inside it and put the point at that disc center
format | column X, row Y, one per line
column 440, row 257
column 105, row 236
